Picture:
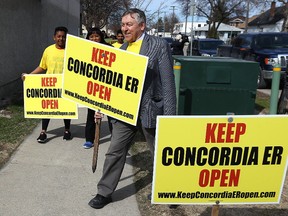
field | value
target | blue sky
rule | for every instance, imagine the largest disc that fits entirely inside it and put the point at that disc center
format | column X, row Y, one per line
column 169, row 10
column 166, row 7
column 154, row 5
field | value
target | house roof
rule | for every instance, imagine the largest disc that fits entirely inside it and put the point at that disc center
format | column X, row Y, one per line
column 237, row 20
column 239, row 17
column 242, row 25
column 222, row 27
column 266, row 18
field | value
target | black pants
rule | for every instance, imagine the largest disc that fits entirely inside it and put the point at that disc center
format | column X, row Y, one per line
column 45, row 123
column 90, row 126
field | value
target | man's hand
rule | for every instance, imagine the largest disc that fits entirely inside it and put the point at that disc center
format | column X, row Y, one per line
column 98, row 115
column 23, row 76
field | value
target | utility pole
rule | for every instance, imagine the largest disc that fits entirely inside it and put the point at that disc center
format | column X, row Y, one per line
column 164, row 24
column 173, row 9
column 186, row 24
column 173, row 18
column 247, row 17
column 158, row 24
column 192, row 14
column 186, row 16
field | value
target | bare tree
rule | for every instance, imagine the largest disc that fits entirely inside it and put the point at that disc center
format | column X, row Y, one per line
column 285, row 15
column 171, row 20
column 185, row 6
column 98, row 12
column 108, row 13
column 115, row 18
column 151, row 16
column 219, row 11
column 264, row 4
column 216, row 12
column 144, row 5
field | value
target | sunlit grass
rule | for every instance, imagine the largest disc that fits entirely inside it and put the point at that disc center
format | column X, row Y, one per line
column 13, row 125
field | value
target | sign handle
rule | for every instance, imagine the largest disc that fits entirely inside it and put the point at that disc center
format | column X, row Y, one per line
column 215, row 209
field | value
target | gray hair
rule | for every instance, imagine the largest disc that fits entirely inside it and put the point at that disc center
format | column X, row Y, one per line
column 137, row 14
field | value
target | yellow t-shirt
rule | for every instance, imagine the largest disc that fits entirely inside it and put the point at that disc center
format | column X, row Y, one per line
column 135, row 46
column 52, row 60
column 117, row 45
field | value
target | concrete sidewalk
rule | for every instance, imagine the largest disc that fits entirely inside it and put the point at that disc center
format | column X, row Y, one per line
column 56, row 178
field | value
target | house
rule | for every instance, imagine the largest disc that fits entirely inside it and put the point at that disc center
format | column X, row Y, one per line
column 269, row 21
column 180, row 27
column 27, row 28
column 225, row 32
column 239, row 22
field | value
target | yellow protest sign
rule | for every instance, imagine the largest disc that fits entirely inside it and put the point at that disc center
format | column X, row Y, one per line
column 104, row 78
column 230, row 160
column 42, row 98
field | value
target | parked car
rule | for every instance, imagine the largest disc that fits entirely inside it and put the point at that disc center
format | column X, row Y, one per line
column 205, row 46
column 169, row 40
column 267, row 48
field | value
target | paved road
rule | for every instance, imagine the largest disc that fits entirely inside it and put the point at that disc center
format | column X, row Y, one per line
column 56, row 179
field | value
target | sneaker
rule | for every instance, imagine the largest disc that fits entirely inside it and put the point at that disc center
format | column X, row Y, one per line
column 67, row 135
column 88, row 145
column 42, row 138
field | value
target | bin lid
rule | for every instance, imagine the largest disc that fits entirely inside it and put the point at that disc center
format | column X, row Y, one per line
column 210, row 59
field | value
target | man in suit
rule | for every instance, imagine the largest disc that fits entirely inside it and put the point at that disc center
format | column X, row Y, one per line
column 158, row 98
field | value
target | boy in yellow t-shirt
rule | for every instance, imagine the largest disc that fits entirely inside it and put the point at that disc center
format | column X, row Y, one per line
column 120, row 39
column 52, row 59
column 52, row 62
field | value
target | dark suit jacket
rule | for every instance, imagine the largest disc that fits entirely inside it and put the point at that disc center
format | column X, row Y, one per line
column 159, row 92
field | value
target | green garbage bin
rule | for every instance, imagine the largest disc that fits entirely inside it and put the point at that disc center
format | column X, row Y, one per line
column 216, row 86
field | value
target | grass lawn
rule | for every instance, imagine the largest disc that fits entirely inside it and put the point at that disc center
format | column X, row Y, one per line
column 13, row 129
